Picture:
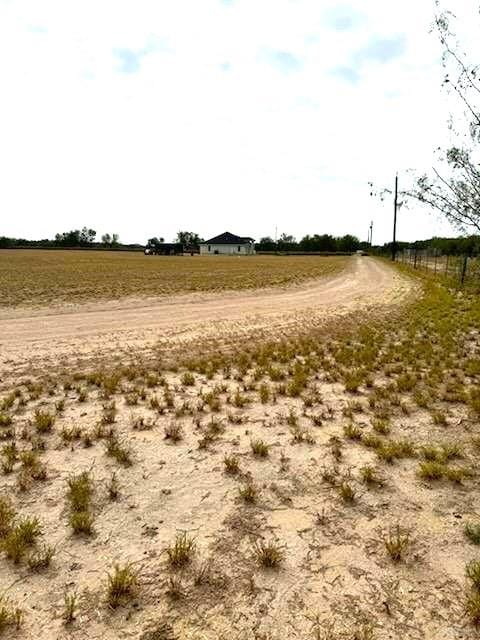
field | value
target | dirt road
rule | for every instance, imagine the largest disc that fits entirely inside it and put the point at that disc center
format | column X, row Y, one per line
column 28, row 336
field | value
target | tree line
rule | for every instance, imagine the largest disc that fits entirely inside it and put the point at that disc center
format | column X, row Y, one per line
column 466, row 245
column 311, row 243
column 84, row 237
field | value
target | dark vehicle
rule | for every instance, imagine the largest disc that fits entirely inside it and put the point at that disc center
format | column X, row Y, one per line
column 164, row 249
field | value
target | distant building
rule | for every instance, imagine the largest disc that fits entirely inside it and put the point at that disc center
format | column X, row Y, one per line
column 228, row 244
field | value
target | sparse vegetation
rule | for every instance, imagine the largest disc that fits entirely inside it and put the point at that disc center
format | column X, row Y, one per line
column 269, row 554
column 182, row 550
column 122, row 584
column 259, row 448
column 234, row 401
column 396, row 543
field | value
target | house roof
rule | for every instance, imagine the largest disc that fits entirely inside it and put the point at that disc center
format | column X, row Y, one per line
column 228, row 238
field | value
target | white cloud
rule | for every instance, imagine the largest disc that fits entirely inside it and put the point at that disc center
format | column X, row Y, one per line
column 149, row 116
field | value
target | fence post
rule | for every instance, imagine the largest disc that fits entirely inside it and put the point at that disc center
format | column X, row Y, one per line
column 446, row 265
column 415, row 260
column 464, row 269
column 435, row 267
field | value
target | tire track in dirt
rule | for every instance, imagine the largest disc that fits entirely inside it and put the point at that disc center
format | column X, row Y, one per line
column 117, row 326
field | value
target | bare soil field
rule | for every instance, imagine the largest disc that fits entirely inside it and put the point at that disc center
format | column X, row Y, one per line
column 98, row 329
column 44, row 277
column 300, row 463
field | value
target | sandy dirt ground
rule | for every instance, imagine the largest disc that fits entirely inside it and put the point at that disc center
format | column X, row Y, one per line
column 336, row 581
column 94, row 330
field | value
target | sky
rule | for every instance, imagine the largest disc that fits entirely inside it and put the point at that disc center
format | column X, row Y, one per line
column 144, row 117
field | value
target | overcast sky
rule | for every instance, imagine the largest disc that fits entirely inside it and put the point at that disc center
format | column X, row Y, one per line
column 143, row 117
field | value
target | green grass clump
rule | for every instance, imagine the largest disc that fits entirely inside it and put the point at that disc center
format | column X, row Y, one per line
column 472, row 532
column 10, row 616
column 44, row 421
column 352, row 432
column 7, row 514
column 232, row 466
column 259, row 448
column 347, row 492
column 431, row 470
column 396, row 543
column 371, row 441
column 79, row 496
column 188, row 379
column 248, row 493
column 370, row 476
column 122, row 585
column 5, row 420
column 20, row 537
column 80, row 489
column 115, row 449
column 182, row 550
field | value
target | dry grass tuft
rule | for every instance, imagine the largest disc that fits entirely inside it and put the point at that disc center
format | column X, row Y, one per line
column 396, row 543
column 269, row 554
column 182, row 550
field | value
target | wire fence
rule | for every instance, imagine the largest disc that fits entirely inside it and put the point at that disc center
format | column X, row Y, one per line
column 462, row 270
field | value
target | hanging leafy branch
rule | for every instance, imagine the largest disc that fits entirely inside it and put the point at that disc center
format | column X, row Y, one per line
column 456, row 193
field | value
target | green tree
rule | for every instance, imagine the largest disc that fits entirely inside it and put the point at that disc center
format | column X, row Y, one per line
column 110, row 240
column 348, row 243
column 154, row 242
column 456, row 191
column 87, row 236
column 188, row 238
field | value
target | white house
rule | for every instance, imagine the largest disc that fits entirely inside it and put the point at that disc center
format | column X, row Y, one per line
column 228, row 244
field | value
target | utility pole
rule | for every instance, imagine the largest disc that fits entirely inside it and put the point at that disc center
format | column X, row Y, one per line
column 371, row 233
column 394, row 243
